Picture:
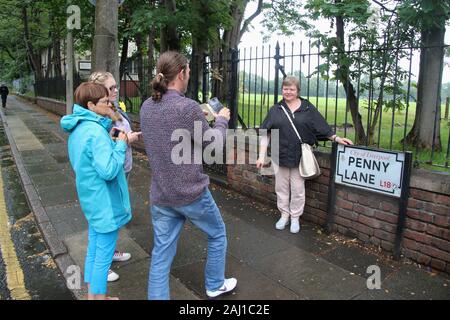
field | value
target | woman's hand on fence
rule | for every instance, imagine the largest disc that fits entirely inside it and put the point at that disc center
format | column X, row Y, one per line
column 260, row 162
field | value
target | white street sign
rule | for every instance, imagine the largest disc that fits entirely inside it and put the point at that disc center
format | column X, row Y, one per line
column 378, row 171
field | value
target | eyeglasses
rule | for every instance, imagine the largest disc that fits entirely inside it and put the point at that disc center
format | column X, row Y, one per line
column 114, row 87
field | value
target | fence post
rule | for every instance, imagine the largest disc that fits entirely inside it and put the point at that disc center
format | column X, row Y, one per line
column 205, row 80
column 277, row 58
column 234, row 87
column 125, row 70
column 447, row 103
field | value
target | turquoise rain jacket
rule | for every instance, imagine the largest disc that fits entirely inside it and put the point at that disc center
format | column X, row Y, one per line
column 98, row 164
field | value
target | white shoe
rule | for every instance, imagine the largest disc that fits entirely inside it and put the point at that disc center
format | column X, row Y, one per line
column 295, row 226
column 112, row 276
column 121, row 256
column 228, row 285
column 282, row 223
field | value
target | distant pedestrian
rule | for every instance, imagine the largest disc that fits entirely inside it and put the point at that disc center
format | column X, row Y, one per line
column 122, row 122
column 100, row 180
column 4, row 93
column 179, row 192
column 311, row 126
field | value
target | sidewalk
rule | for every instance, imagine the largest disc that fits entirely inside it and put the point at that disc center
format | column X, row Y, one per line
column 269, row 264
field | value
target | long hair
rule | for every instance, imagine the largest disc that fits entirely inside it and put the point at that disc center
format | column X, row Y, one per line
column 168, row 66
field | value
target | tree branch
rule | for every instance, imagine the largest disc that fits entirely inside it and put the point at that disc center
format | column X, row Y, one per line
column 249, row 19
column 384, row 7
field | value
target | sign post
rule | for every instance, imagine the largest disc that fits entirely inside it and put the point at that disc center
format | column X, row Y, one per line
column 383, row 172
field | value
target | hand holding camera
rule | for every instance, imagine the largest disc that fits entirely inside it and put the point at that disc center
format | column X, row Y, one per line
column 224, row 112
column 118, row 134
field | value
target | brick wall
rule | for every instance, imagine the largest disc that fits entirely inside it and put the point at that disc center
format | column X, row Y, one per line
column 367, row 216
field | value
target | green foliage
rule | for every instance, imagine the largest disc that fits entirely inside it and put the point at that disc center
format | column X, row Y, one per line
column 424, row 14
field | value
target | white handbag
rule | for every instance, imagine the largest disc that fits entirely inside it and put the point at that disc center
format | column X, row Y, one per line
column 308, row 166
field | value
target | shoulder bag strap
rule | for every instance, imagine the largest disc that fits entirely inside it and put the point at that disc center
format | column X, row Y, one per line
column 292, row 123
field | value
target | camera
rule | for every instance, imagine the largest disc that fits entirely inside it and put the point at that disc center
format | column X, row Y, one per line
column 215, row 104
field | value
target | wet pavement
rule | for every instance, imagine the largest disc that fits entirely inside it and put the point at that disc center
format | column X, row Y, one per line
column 42, row 279
column 269, row 264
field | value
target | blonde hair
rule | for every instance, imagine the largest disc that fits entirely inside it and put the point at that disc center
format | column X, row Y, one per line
column 100, row 77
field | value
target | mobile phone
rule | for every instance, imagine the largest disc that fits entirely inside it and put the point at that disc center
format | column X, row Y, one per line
column 215, row 104
column 116, row 133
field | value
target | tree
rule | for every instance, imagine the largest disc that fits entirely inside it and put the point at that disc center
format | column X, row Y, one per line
column 341, row 11
column 429, row 18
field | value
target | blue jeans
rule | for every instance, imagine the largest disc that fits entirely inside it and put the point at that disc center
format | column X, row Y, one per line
column 167, row 225
column 99, row 257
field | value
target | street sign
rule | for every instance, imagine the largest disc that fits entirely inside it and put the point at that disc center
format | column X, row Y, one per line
column 120, row 2
column 84, row 65
column 373, row 170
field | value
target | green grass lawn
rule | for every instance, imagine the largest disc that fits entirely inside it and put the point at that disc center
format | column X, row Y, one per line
column 253, row 108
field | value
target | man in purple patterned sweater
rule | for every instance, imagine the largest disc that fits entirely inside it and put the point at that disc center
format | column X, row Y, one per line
column 179, row 189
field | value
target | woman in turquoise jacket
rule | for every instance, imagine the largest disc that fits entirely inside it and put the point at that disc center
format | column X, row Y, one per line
column 100, row 179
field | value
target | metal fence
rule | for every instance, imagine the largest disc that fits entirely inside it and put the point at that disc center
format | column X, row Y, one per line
column 380, row 82
column 380, row 90
column 54, row 88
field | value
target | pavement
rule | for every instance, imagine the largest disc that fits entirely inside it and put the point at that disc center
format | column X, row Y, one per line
column 269, row 264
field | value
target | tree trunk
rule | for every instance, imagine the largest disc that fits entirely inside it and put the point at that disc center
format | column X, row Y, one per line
column 49, row 61
column 105, row 43
column 199, row 47
column 35, row 61
column 57, row 56
column 150, row 58
column 231, row 38
column 123, row 57
column 343, row 75
column 141, row 80
column 169, row 35
column 428, row 107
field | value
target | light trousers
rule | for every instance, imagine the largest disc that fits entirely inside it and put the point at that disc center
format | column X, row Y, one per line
column 290, row 190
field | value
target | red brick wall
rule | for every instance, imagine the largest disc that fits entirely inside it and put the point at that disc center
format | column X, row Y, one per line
column 371, row 217
column 427, row 234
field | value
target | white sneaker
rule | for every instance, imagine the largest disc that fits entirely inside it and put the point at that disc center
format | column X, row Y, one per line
column 295, row 226
column 112, row 276
column 228, row 285
column 282, row 223
column 121, row 256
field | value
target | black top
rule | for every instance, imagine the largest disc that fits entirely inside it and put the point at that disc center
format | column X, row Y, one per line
column 309, row 123
column 4, row 91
